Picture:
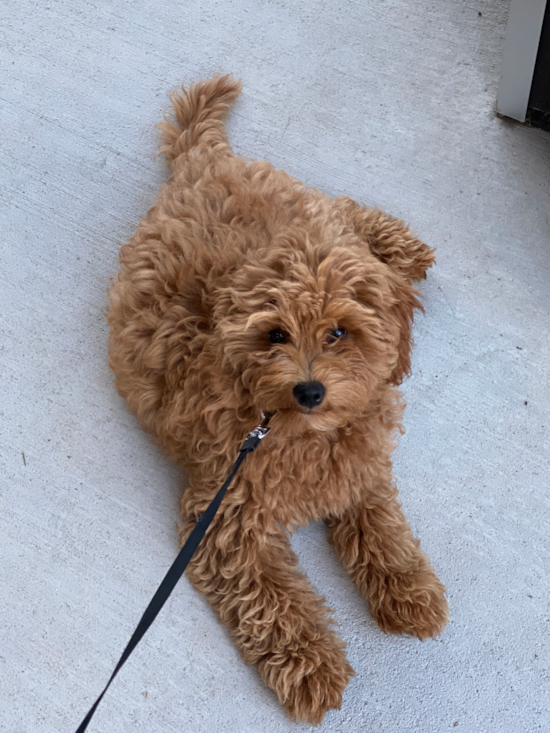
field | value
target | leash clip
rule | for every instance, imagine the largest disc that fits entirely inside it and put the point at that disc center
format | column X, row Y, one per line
column 252, row 440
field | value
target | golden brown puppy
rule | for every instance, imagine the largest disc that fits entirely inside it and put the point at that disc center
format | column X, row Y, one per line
column 245, row 291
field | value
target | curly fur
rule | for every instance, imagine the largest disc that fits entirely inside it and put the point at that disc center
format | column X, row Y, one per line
column 231, row 251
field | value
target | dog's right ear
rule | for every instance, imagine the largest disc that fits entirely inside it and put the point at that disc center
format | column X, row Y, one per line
column 389, row 239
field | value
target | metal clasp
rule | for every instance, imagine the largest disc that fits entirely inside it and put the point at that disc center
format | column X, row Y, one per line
column 253, row 438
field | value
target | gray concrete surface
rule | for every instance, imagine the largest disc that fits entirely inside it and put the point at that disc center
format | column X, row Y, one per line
column 392, row 103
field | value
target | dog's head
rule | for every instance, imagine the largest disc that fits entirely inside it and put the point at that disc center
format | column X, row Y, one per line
column 310, row 331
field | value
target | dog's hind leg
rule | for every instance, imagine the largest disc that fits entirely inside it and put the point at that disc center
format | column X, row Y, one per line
column 249, row 574
column 376, row 546
column 200, row 113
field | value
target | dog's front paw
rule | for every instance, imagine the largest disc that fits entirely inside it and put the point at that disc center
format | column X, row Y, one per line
column 409, row 603
column 309, row 681
column 314, row 694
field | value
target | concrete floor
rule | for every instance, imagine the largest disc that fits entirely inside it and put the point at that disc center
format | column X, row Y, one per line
column 390, row 102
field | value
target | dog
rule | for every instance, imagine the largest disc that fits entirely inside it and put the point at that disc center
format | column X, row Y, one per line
column 244, row 291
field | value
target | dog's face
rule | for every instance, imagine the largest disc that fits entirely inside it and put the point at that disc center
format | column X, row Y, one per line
column 312, row 332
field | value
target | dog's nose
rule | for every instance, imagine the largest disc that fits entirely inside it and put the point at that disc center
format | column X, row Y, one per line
column 309, row 394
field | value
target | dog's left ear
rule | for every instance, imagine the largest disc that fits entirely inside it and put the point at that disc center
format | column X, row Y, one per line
column 392, row 242
column 402, row 314
column 390, row 239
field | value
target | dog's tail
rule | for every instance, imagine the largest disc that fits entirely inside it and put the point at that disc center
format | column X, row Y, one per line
column 200, row 113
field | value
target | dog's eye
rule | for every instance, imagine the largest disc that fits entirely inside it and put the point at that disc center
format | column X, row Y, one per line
column 277, row 336
column 336, row 334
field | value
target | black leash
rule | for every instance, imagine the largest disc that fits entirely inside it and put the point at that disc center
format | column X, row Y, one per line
column 250, row 444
